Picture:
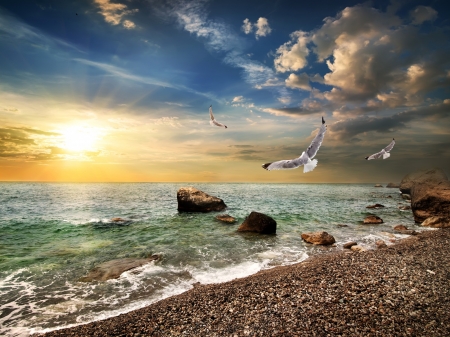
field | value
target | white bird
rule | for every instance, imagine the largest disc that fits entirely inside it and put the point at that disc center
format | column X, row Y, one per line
column 305, row 158
column 213, row 121
column 383, row 153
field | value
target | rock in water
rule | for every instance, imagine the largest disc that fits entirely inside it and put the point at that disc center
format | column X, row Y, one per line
column 428, row 199
column 378, row 185
column 393, row 185
column 258, row 223
column 114, row 268
column 349, row 245
column 372, row 219
column 318, row 238
column 432, row 176
column 226, row 218
column 191, row 199
column 375, row 206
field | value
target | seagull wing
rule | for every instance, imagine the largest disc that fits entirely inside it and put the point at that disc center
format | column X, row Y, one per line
column 286, row 164
column 377, row 155
column 213, row 120
column 390, row 146
column 312, row 149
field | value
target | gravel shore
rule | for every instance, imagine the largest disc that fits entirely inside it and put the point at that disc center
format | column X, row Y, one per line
column 401, row 290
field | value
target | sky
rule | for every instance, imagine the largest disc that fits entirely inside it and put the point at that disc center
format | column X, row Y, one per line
column 119, row 90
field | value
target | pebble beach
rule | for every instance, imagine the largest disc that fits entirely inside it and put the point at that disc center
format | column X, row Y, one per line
column 399, row 290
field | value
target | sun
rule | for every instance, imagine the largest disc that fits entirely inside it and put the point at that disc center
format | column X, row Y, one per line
column 80, row 138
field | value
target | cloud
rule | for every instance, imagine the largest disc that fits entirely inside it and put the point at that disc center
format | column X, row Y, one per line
column 220, row 38
column 114, row 12
column 298, row 81
column 308, row 107
column 292, row 55
column 247, row 27
column 237, row 99
column 352, row 127
column 261, row 27
column 423, row 13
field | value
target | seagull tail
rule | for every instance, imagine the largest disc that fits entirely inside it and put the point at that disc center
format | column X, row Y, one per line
column 310, row 165
column 386, row 155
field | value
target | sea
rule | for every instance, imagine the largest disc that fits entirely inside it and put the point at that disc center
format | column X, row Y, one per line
column 53, row 234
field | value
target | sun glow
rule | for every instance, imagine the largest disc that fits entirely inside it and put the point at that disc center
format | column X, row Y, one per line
column 79, row 138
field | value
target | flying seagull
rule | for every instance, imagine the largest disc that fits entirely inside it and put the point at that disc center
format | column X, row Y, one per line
column 305, row 158
column 383, row 153
column 213, row 121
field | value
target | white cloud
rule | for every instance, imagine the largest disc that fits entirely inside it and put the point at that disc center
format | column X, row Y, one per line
column 423, row 13
column 261, row 27
column 114, row 12
column 292, row 55
column 247, row 27
column 128, row 24
column 237, row 99
column 298, row 81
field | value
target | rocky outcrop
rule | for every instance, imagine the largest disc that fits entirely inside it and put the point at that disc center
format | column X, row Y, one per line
column 393, row 185
column 430, row 199
column 372, row 219
column 258, row 223
column 375, row 206
column 430, row 177
column 225, row 218
column 191, row 199
column 114, row 268
column 436, row 222
column 318, row 238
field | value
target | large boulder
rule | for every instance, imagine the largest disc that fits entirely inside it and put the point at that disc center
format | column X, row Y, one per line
column 258, row 223
column 114, row 268
column 191, row 199
column 429, row 200
column 318, row 238
column 431, row 177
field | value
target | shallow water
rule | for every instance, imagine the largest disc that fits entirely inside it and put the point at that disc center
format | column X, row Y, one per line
column 53, row 234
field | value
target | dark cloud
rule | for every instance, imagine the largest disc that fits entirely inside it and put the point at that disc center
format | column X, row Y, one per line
column 349, row 128
column 15, row 137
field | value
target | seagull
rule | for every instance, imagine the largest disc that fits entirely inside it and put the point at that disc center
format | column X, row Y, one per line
column 383, row 153
column 304, row 159
column 213, row 121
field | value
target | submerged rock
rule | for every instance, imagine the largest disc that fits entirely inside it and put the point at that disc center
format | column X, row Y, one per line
column 258, row 223
column 406, row 196
column 114, row 268
column 375, row 206
column 225, row 218
column 372, row 219
column 400, row 228
column 431, row 176
column 404, row 208
column 318, row 238
column 378, row 185
column 191, row 199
